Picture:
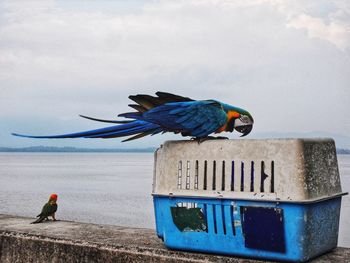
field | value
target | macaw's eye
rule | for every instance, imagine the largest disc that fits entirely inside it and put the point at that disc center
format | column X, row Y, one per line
column 244, row 118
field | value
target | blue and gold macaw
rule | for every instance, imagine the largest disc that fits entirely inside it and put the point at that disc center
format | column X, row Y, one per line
column 169, row 113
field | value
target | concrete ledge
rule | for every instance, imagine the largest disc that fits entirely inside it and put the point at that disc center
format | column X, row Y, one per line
column 64, row 241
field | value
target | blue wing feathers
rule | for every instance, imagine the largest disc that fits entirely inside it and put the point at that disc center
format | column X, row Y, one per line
column 193, row 117
column 185, row 117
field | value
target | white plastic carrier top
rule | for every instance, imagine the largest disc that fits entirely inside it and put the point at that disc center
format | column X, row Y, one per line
column 289, row 170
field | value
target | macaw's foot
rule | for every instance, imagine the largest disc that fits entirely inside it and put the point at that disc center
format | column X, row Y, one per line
column 220, row 138
column 200, row 140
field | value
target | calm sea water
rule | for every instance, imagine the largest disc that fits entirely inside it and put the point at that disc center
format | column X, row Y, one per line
column 105, row 188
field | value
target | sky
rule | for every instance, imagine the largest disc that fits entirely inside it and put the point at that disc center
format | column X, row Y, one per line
column 286, row 62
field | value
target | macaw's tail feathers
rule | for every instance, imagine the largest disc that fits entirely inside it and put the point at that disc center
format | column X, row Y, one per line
column 131, row 128
column 147, row 102
column 168, row 97
column 39, row 220
column 100, row 120
column 143, row 134
column 137, row 107
column 131, row 115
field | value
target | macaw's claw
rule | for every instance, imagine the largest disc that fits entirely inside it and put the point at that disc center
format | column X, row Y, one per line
column 221, row 138
column 200, row 140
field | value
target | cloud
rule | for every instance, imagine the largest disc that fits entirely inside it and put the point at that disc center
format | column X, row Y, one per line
column 334, row 32
column 59, row 60
column 326, row 20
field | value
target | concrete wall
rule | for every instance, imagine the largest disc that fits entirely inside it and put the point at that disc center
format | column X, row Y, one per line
column 63, row 241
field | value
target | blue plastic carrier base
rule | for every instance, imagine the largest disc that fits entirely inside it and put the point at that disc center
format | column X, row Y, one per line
column 269, row 230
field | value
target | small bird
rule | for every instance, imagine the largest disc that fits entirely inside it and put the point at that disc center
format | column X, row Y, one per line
column 169, row 113
column 49, row 209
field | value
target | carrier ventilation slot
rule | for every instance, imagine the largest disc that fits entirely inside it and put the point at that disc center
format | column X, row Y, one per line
column 196, row 172
column 187, row 204
column 220, row 219
column 179, row 175
column 215, row 219
column 214, row 175
column 252, row 177
column 242, row 176
column 233, row 176
column 188, row 175
column 248, row 178
column 223, row 175
column 232, row 221
column 272, row 190
column 205, row 175
column 223, row 219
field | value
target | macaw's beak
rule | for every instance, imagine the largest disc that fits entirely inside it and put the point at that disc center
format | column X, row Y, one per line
column 245, row 129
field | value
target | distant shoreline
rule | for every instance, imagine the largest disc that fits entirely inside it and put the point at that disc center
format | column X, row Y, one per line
column 74, row 149
column 343, row 151
column 97, row 150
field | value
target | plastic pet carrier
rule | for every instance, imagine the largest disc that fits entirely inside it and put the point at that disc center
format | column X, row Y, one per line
column 275, row 199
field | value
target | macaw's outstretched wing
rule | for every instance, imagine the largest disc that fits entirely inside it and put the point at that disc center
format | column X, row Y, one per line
column 194, row 118
column 138, row 128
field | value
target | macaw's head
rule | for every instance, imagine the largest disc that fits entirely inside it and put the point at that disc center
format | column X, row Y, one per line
column 238, row 119
column 244, row 123
column 53, row 198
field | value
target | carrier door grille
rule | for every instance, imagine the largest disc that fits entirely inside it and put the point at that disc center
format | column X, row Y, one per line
column 226, row 175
